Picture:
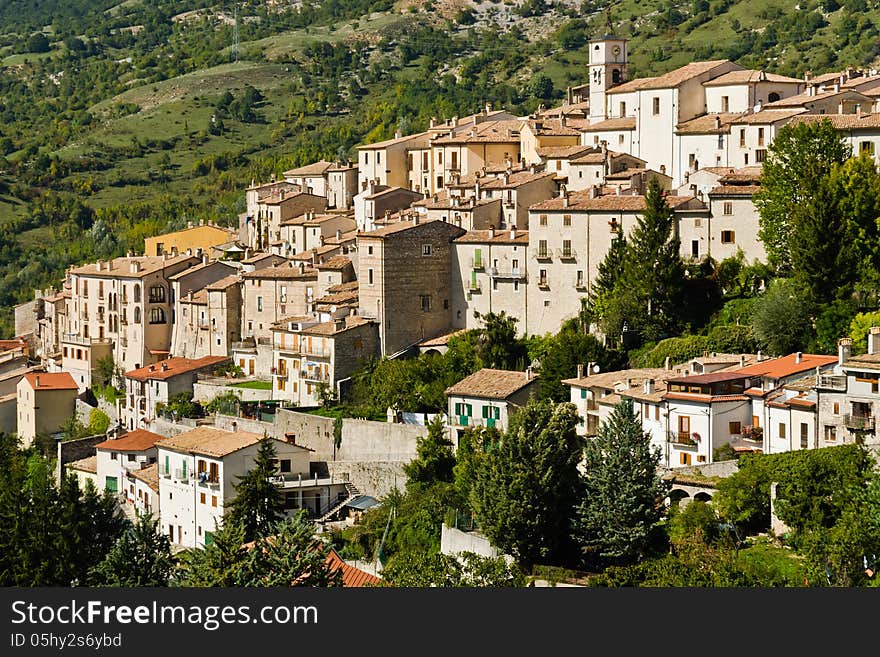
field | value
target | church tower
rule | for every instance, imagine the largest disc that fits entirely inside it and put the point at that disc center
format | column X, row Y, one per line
column 608, row 69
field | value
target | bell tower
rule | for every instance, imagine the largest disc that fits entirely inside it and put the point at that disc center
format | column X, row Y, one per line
column 608, row 68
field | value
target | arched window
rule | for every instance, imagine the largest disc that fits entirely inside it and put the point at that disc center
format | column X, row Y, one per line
column 137, row 293
column 157, row 294
column 157, row 316
column 773, row 97
column 137, row 315
column 615, row 76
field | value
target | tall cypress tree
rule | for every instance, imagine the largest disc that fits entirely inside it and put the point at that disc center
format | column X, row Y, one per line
column 607, row 274
column 258, row 504
column 140, row 557
column 622, row 490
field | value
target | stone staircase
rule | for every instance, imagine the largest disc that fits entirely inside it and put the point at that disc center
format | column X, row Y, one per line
column 352, row 491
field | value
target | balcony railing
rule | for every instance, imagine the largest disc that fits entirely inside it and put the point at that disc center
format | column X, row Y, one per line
column 859, row 422
column 205, row 479
column 315, row 352
column 515, row 273
column 592, row 405
column 543, row 283
column 682, row 438
column 832, row 382
column 474, row 286
column 320, row 377
column 478, row 263
column 566, row 254
column 181, row 475
column 541, row 254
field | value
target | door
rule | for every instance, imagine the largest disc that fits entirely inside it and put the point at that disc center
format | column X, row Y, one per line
column 684, row 424
column 180, row 534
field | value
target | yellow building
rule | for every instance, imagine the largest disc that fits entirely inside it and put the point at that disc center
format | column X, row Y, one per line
column 194, row 239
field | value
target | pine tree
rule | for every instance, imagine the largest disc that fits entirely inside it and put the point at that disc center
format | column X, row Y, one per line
column 525, row 489
column 434, row 460
column 220, row 563
column 622, row 490
column 607, row 274
column 258, row 504
column 648, row 295
column 141, row 557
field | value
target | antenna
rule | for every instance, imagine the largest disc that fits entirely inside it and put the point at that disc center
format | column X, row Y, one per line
column 235, row 35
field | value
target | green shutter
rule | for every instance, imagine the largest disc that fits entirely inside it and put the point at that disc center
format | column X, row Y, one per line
column 209, row 538
column 470, row 410
column 111, row 485
column 485, row 412
column 478, row 258
column 583, row 393
column 184, row 468
column 167, row 468
column 497, row 413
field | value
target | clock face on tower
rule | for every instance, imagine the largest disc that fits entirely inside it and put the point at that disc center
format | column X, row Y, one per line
column 616, row 50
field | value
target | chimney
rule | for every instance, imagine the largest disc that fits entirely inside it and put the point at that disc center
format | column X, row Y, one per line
column 717, row 122
column 339, row 323
column 164, row 366
column 874, row 340
column 529, row 375
column 580, row 371
column 630, row 382
column 454, row 121
column 760, row 356
column 649, row 386
column 507, row 177
column 562, row 120
column 594, row 191
column 134, row 267
column 758, row 106
column 667, row 364
column 798, row 357
column 398, row 134
column 476, row 119
column 808, row 75
column 844, row 350
column 338, row 235
column 152, row 368
column 742, row 360
column 37, row 381
column 415, row 219
column 513, row 232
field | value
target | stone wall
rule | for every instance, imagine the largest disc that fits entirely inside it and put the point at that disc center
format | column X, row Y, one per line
column 205, row 392
column 454, row 541
column 74, row 450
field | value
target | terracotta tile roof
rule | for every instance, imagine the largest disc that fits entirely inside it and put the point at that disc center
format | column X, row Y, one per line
column 210, row 441
column 392, row 142
column 625, row 203
column 257, row 257
column 330, row 328
column 750, row 174
column 735, row 190
column 777, row 368
column 88, row 464
column 50, row 381
column 499, row 132
column 171, row 367
column 681, row 75
column 403, row 191
column 842, row 121
column 11, row 345
column 692, row 396
column 338, row 298
column 149, row 475
column 351, row 577
column 400, row 226
column 444, row 202
column 768, row 116
column 224, row 283
column 626, row 123
column 318, row 168
column 121, row 267
column 198, row 298
column 284, row 271
column 277, row 199
column 195, row 269
column 802, row 402
column 804, row 98
column 516, row 179
column 705, row 125
column 491, row 384
column 629, row 172
column 712, row 377
column 553, row 128
column 563, row 152
column 632, row 85
column 749, row 76
column 598, row 158
column 343, row 287
column 134, row 441
column 863, row 361
column 282, row 325
column 273, row 187
column 571, row 109
column 498, row 237
column 440, row 340
column 336, row 262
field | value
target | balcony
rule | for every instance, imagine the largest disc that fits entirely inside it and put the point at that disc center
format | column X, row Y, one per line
column 682, row 438
column 542, row 254
column 858, row 422
column 163, row 471
column 592, row 405
column 832, row 382
column 123, row 342
column 474, row 286
column 182, row 476
column 478, row 263
column 314, row 375
column 509, row 205
column 515, row 273
column 205, row 479
column 566, row 254
column 315, row 352
column 544, row 284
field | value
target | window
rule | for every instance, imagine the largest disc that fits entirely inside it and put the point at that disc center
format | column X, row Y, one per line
column 701, row 458
column 622, row 109
column 836, row 408
column 725, row 103
column 137, row 315
column 684, row 458
column 579, row 280
column 566, row 248
column 742, row 137
column 379, row 157
column 728, row 207
column 830, row 434
column 620, row 138
column 542, row 278
column 646, row 411
column 734, row 428
column 130, row 458
column 425, row 301
column 259, row 304
column 746, row 159
column 760, row 136
column 566, row 220
column 782, row 430
column 866, row 147
column 369, row 276
column 284, row 465
column 157, row 294
column 202, row 498
column 213, row 500
column 157, row 316
column 773, row 97
column 111, row 484
column 727, row 237
column 542, row 248
column 759, row 155
column 369, row 250
column 426, row 249
column 805, row 431
column 543, row 219
column 720, row 146
column 656, row 108
column 657, row 412
column 113, row 456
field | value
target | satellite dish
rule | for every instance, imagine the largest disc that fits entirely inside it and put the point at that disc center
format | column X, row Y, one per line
column 595, row 369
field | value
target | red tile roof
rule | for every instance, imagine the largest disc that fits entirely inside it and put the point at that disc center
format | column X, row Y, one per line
column 172, row 367
column 777, row 368
column 54, row 381
column 351, row 577
column 134, row 441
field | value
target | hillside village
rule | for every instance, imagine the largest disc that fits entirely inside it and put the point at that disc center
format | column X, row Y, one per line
column 389, row 255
